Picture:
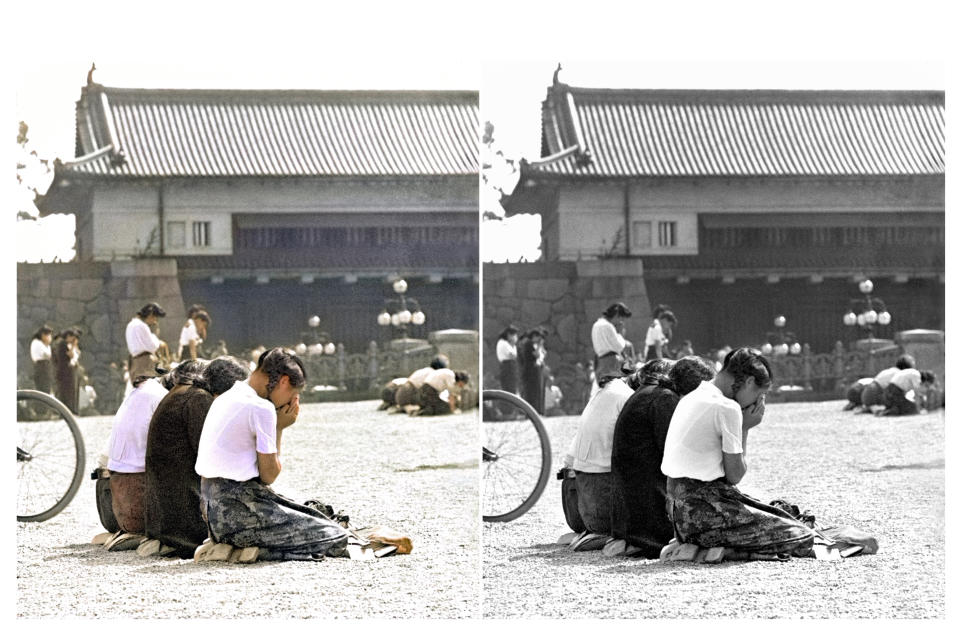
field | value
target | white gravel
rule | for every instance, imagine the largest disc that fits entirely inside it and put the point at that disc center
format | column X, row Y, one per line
column 416, row 475
column 883, row 475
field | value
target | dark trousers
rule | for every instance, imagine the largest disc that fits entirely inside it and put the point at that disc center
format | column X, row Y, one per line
column 600, row 503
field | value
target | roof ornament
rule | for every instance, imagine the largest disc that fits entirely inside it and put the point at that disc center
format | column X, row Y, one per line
column 93, row 67
column 556, row 75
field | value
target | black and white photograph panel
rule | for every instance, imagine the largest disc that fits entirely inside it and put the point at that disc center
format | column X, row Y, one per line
column 247, row 339
column 713, row 339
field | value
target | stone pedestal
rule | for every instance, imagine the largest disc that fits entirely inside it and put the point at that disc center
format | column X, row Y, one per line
column 927, row 348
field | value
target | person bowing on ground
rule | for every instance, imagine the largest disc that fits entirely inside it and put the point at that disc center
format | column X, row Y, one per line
column 434, row 385
column 238, row 458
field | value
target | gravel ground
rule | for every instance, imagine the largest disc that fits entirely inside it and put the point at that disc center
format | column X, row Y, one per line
column 416, row 475
column 882, row 475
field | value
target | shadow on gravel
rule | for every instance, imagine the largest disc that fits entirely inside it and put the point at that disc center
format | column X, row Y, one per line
column 936, row 464
column 469, row 464
column 559, row 555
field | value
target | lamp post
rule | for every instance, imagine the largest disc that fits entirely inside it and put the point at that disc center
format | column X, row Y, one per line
column 781, row 342
column 867, row 311
column 320, row 342
column 401, row 312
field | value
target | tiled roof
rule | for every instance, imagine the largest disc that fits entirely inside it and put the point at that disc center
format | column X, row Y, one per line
column 615, row 132
column 172, row 133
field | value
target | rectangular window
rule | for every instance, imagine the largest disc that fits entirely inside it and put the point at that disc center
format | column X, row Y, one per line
column 642, row 234
column 201, row 234
column 667, row 234
column 176, row 235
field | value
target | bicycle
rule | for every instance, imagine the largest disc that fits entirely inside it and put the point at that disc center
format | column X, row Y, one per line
column 51, row 456
column 516, row 456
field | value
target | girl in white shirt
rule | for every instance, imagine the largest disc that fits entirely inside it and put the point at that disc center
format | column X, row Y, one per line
column 507, row 356
column 41, row 353
column 704, row 459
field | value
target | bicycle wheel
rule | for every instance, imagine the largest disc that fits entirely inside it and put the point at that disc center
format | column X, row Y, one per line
column 50, row 456
column 516, row 456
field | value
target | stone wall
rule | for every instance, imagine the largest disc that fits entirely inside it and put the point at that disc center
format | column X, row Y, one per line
column 566, row 298
column 99, row 298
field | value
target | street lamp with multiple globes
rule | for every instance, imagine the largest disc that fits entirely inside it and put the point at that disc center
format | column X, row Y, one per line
column 320, row 343
column 872, row 310
column 781, row 342
column 402, row 316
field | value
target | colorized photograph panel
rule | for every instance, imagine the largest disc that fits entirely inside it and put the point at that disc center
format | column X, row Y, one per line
column 677, row 255
column 247, row 341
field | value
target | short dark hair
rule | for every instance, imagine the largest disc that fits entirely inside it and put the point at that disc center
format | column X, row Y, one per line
column 906, row 361
column 151, row 308
column 187, row 372
column 652, row 373
column 745, row 362
column 222, row 373
column 461, row 376
column 689, row 371
column 507, row 331
column 928, row 376
column 194, row 308
column 440, row 362
column 202, row 315
column 43, row 331
column 668, row 316
column 617, row 309
column 71, row 331
column 279, row 362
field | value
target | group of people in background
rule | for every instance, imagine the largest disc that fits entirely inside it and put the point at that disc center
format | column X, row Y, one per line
column 192, row 454
column 523, row 368
column 56, row 364
column 429, row 391
column 657, row 457
column 900, row 390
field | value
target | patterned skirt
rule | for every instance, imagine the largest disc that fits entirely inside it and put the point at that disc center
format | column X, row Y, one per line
column 717, row 514
column 251, row 514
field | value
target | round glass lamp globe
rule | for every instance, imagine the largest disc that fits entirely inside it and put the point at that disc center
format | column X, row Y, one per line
column 400, row 286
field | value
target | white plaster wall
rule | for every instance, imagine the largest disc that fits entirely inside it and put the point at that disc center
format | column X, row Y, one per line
column 588, row 221
column 124, row 215
column 589, row 214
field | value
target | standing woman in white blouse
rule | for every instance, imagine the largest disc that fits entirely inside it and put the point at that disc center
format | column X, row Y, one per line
column 507, row 355
column 41, row 353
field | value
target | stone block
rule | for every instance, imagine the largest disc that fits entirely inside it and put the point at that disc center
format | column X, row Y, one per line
column 550, row 289
column 534, row 312
column 84, row 289
column 567, row 329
